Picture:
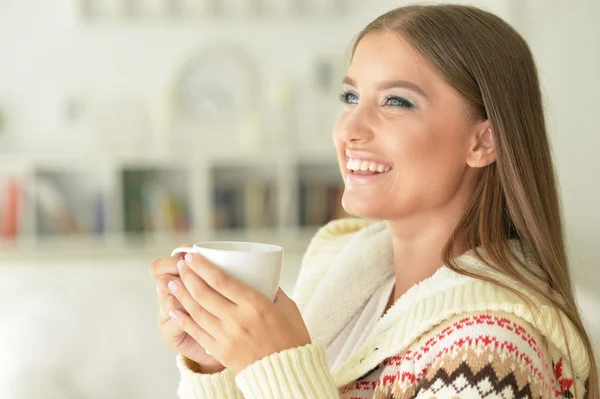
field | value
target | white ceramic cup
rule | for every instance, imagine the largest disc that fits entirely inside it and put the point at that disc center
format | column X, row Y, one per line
column 256, row 265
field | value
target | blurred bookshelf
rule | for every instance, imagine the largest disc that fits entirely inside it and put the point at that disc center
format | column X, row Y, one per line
column 150, row 175
column 123, row 206
column 244, row 197
column 155, row 200
column 319, row 194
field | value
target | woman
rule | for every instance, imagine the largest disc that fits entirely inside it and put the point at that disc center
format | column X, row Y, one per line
column 443, row 141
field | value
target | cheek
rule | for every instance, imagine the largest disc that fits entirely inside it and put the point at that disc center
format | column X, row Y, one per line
column 430, row 164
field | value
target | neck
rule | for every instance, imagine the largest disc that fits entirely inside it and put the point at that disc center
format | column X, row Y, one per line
column 418, row 247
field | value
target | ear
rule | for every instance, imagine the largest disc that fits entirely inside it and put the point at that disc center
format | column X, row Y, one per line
column 483, row 146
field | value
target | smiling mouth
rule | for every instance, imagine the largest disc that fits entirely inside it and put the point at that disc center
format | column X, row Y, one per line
column 366, row 168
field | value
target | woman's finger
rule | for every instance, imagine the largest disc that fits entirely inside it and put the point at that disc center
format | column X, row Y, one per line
column 166, row 265
column 228, row 286
column 206, row 296
column 163, row 266
column 208, row 321
column 162, row 284
column 187, row 324
column 167, row 304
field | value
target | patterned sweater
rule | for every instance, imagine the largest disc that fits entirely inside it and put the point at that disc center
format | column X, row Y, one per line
column 450, row 336
column 469, row 356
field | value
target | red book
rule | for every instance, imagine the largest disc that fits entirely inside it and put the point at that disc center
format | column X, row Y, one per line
column 11, row 209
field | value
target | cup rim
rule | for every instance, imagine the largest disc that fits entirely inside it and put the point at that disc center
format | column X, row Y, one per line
column 257, row 247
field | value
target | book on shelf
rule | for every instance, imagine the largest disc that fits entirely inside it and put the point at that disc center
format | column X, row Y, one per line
column 320, row 203
column 55, row 212
column 133, row 207
column 250, row 205
column 150, row 206
column 161, row 211
column 12, row 198
column 228, row 205
column 100, row 214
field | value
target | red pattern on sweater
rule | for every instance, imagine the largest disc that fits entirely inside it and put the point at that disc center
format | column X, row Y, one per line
column 390, row 374
column 563, row 383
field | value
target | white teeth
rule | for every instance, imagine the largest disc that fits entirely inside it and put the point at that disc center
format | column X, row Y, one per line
column 353, row 164
column 357, row 164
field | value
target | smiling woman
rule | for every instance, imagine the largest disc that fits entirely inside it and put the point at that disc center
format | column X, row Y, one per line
column 461, row 286
column 401, row 112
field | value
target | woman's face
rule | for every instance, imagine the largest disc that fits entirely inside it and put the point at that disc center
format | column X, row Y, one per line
column 404, row 136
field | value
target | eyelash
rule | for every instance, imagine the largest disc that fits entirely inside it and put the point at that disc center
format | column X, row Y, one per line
column 404, row 103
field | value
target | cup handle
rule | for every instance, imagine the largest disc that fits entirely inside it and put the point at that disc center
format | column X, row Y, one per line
column 181, row 250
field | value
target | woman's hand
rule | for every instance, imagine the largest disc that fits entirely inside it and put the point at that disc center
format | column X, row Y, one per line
column 235, row 323
column 164, row 270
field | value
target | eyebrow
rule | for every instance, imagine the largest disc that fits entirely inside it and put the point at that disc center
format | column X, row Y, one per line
column 392, row 84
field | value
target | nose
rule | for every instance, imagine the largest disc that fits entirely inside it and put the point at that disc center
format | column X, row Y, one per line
column 354, row 126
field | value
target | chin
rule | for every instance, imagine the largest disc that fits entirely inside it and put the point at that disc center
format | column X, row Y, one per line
column 363, row 208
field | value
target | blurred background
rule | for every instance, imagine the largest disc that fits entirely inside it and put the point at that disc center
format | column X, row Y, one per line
column 128, row 127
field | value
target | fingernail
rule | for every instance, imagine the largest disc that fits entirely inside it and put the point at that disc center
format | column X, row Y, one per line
column 157, row 289
column 172, row 286
column 180, row 264
column 173, row 315
column 188, row 257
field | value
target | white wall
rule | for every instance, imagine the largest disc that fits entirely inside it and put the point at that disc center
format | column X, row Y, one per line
column 48, row 56
column 565, row 40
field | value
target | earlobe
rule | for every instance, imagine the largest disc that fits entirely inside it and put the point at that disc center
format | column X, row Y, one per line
column 483, row 152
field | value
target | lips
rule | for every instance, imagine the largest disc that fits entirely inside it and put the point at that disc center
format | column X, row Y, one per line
column 364, row 163
column 364, row 168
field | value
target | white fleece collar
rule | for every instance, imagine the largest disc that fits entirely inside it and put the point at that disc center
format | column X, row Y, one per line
column 363, row 264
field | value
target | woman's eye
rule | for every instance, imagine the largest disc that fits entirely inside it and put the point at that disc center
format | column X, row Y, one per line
column 348, row 98
column 394, row 101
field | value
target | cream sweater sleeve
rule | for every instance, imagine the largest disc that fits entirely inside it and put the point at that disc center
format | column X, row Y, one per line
column 299, row 373
column 206, row 386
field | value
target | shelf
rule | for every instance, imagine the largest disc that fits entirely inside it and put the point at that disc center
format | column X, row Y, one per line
column 121, row 207
column 69, row 202
column 161, row 244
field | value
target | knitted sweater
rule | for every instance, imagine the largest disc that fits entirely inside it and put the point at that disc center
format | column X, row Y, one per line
column 448, row 336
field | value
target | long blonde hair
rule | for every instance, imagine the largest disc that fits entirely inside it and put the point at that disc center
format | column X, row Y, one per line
column 492, row 67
